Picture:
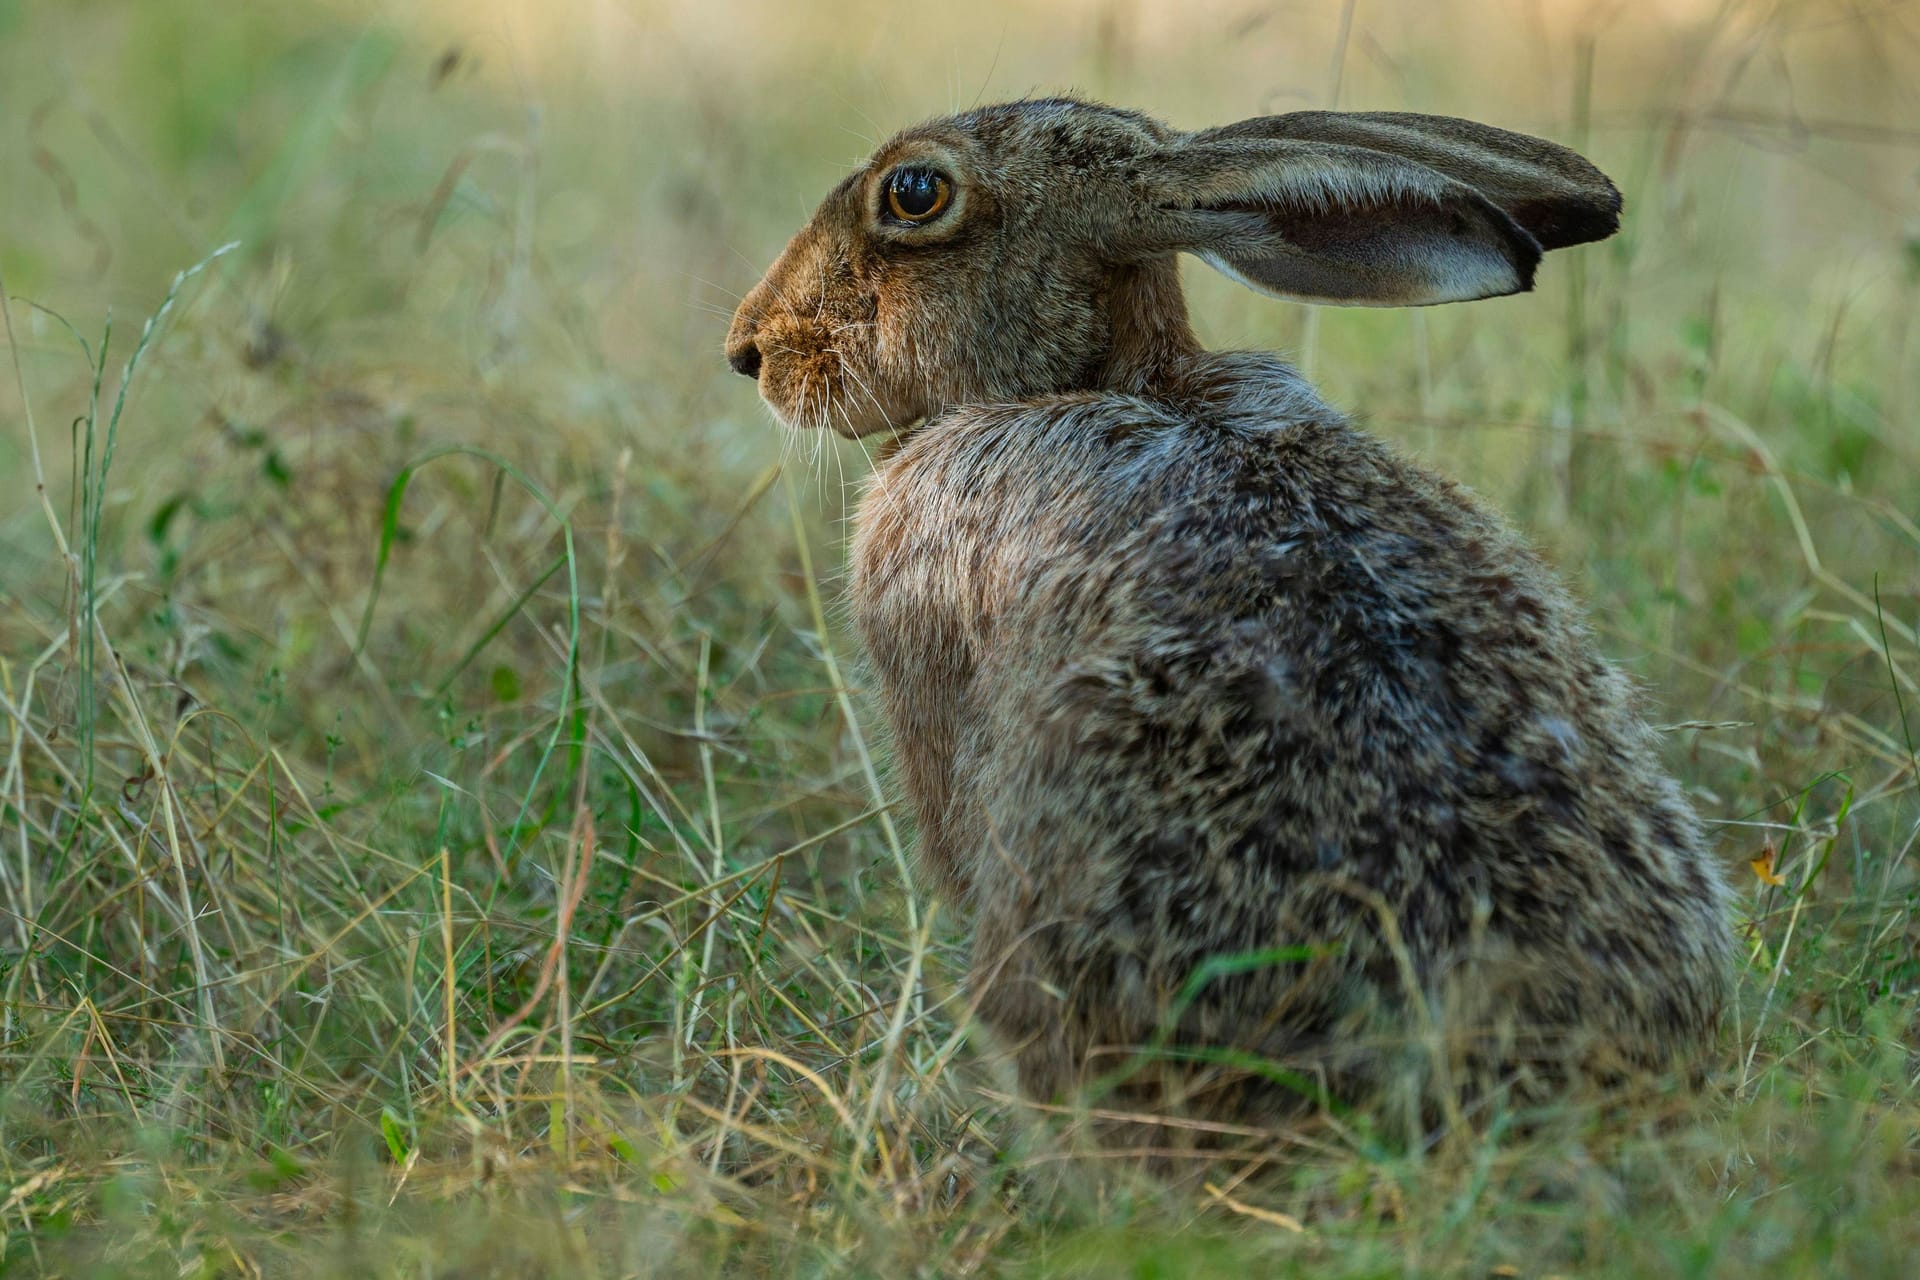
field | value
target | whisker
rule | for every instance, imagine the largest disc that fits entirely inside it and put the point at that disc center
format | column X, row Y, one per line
column 736, row 297
column 861, row 385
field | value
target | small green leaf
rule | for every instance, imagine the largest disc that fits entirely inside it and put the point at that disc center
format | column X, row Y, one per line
column 394, row 1132
column 506, row 684
column 157, row 527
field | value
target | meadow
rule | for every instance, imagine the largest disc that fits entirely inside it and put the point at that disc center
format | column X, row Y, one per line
column 442, row 829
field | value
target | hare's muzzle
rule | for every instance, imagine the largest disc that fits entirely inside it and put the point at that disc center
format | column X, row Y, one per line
column 807, row 335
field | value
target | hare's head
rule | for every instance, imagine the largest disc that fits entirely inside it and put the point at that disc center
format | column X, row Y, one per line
column 1029, row 248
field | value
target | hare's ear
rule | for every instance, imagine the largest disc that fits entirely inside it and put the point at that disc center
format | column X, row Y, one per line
column 1382, row 210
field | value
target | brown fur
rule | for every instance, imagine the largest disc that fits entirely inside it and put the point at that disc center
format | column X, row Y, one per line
column 1183, row 667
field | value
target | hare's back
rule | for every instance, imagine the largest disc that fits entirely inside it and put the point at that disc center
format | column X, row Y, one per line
column 1234, row 656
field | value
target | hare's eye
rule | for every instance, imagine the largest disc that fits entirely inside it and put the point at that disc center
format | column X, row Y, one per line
column 917, row 195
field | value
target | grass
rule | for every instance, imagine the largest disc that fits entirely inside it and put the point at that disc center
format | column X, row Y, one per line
column 441, row 832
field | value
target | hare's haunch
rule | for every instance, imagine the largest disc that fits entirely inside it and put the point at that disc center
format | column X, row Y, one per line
column 1260, row 754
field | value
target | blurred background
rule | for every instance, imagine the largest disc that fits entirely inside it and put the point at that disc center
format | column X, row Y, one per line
column 426, row 696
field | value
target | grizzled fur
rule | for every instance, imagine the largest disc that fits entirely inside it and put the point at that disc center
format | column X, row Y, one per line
column 1244, row 737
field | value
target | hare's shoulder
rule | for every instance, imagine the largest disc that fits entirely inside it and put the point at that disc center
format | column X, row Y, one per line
column 1097, row 470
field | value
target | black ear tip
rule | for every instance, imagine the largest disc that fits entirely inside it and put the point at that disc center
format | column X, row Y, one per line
column 1559, row 222
column 1526, row 268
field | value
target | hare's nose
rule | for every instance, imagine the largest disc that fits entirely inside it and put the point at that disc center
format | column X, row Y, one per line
column 745, row 360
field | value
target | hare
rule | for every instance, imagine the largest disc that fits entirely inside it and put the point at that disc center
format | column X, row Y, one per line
column 1255, row 749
